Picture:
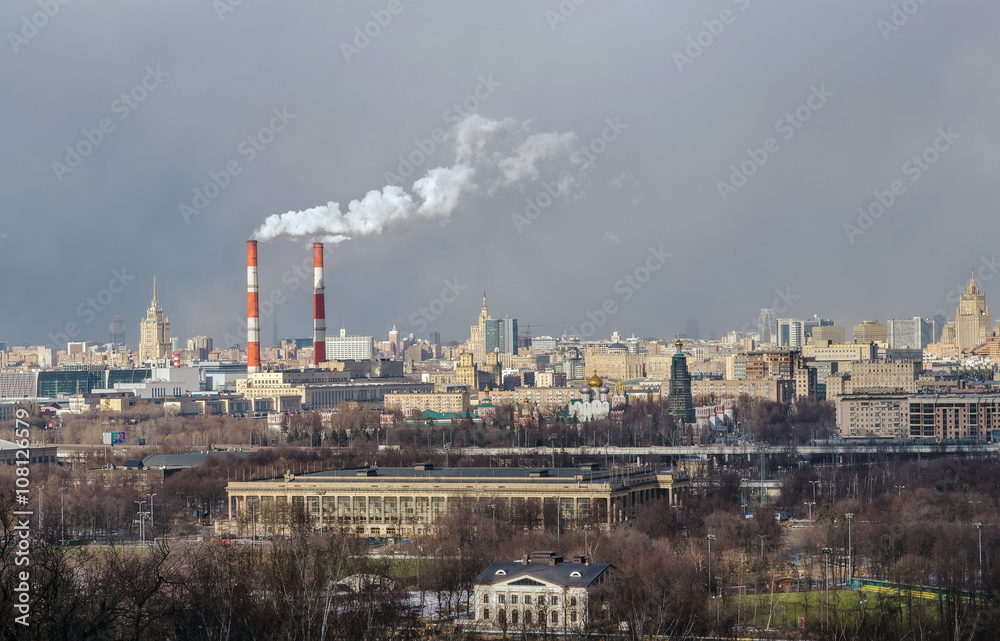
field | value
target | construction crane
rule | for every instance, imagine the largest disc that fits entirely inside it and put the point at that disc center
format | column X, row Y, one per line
column 524, row 340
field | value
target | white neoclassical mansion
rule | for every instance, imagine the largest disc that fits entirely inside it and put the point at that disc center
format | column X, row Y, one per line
column 539, row 592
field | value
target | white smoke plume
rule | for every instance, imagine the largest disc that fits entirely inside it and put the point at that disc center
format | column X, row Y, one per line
column 489, row 155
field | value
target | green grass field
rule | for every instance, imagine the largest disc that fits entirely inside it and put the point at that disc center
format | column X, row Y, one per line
column 782, row 610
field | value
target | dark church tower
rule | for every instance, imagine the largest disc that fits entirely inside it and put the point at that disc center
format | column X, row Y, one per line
column 679, row 402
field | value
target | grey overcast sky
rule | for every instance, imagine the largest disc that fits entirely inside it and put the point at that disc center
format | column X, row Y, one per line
column 749, row 134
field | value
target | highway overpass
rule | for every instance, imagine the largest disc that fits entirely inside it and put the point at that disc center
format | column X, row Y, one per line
column 700, row 451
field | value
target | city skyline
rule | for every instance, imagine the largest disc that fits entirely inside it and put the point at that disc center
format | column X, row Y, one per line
column 787, row 300
column 746, row 165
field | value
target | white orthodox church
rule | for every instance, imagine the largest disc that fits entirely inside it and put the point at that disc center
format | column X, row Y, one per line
column 597, row 402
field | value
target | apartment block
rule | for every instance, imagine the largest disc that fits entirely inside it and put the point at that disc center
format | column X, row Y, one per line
column 883, row 376
column 778, row 390
column 953, row 416
column 872, row 416
column 444, row 402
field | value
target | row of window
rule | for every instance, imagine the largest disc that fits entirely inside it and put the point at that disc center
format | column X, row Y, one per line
column 528, row 617
column 552, row 599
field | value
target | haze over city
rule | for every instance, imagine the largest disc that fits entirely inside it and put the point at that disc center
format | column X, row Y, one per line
column 456, row 320
column 309, row 112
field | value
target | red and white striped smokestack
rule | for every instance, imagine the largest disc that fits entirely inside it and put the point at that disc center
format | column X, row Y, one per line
column 177, row 360
column 319, row 306
column 253, row 311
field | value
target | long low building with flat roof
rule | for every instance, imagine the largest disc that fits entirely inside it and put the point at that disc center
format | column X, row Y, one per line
column 940, row 417
column 402, row 501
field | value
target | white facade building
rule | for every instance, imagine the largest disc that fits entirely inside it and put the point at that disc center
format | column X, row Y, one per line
column 350, row 348
column 540, row 593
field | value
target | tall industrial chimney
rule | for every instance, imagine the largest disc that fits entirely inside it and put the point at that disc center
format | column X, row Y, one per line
column 319, row 306
column 253, row 311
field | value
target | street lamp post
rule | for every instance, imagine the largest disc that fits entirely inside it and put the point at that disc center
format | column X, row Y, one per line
column 810, row 504
column 899, row 491
column 493, row 506
column 586, row 548
column 826, row 581
column 558, row 519
column 710, row 538
column 979, row 526
column 762, row 537
column 718, row 600
column 552, row 441
column 762, row 447
column 814, row 484
column 62, row 519
column 152, row 521
column 416, row 543
column 253, row 501
column 142, row 536
column 850, row 549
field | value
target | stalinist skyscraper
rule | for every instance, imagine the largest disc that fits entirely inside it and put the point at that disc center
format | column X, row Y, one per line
column 972, row 318
column 477, row 335
column 154, row 331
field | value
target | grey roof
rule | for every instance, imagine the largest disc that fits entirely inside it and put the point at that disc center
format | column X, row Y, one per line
column 558, row 574
column 566, row 473
column 187, row 459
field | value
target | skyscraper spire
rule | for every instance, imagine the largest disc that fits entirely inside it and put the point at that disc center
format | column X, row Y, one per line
column 154, row 289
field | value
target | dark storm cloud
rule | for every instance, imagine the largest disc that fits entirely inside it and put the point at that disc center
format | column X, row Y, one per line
column 146, row 137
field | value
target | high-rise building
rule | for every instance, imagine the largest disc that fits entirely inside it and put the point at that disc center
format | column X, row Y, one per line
column 397, row 348
column 435, row 338
column 200, row 346
column 154, row 332
column 544, row 344
column 767, row 327
column 349, row 348
column 972, row 318
column 832, row 334
column 791, row 333
column 679, row 402
column 909, row 333
column 116, row 329
column 76, row 347
column 508, row 336
column 477, row 334
column 810, row 324
column 491, row 336
column 869, row 331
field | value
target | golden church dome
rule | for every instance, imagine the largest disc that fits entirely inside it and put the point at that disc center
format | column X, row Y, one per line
column 595, row 380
